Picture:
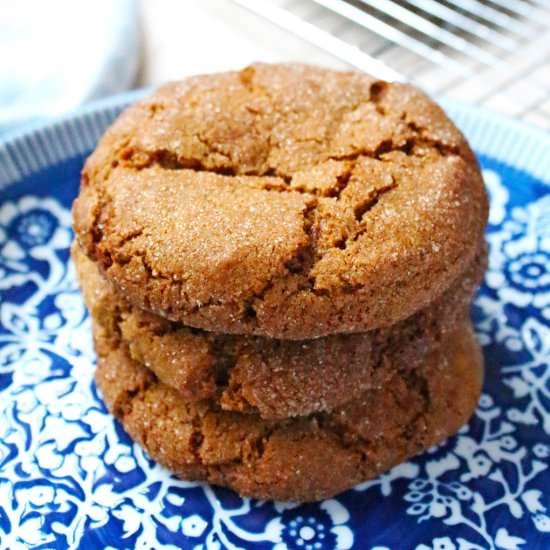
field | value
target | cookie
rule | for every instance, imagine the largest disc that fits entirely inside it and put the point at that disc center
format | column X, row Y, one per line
column 301, row 459
column 272, row 378
column 286, row 201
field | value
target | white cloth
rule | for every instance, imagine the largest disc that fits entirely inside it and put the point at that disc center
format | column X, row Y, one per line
column 57, row 54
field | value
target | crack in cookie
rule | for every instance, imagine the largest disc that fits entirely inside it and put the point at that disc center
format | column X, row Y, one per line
column 283, row 200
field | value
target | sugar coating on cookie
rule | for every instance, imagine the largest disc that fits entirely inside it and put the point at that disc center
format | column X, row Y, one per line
column 283, row 200
column 303, row 459
column 273, row 378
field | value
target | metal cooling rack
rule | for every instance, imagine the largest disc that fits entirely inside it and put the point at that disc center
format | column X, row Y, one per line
column 494, row 53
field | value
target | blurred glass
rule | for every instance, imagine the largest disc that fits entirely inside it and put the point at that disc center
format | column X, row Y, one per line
column 56, row 55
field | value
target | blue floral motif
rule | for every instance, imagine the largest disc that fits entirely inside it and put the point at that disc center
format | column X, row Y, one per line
column 71, row 478
column 323, row 527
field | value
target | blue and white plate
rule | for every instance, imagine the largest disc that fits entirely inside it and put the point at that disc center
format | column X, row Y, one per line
column 71, row 478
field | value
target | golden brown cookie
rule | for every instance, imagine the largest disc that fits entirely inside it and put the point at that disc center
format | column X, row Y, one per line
column 273, row 378
column 286, row 201
column 301, row 459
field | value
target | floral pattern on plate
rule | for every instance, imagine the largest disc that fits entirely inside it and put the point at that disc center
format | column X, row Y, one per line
column 71, row 478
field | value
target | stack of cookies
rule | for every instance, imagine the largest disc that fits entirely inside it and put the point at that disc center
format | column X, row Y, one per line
column 279, row 264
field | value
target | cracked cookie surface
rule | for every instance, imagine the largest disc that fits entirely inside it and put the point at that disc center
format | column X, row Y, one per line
column 272, row 378
column 294, row 459
column 282, row 200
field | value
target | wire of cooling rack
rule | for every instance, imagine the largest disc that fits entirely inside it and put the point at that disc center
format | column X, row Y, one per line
column 490, row 52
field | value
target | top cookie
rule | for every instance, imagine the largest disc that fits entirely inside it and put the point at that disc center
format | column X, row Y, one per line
column 282, row 200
